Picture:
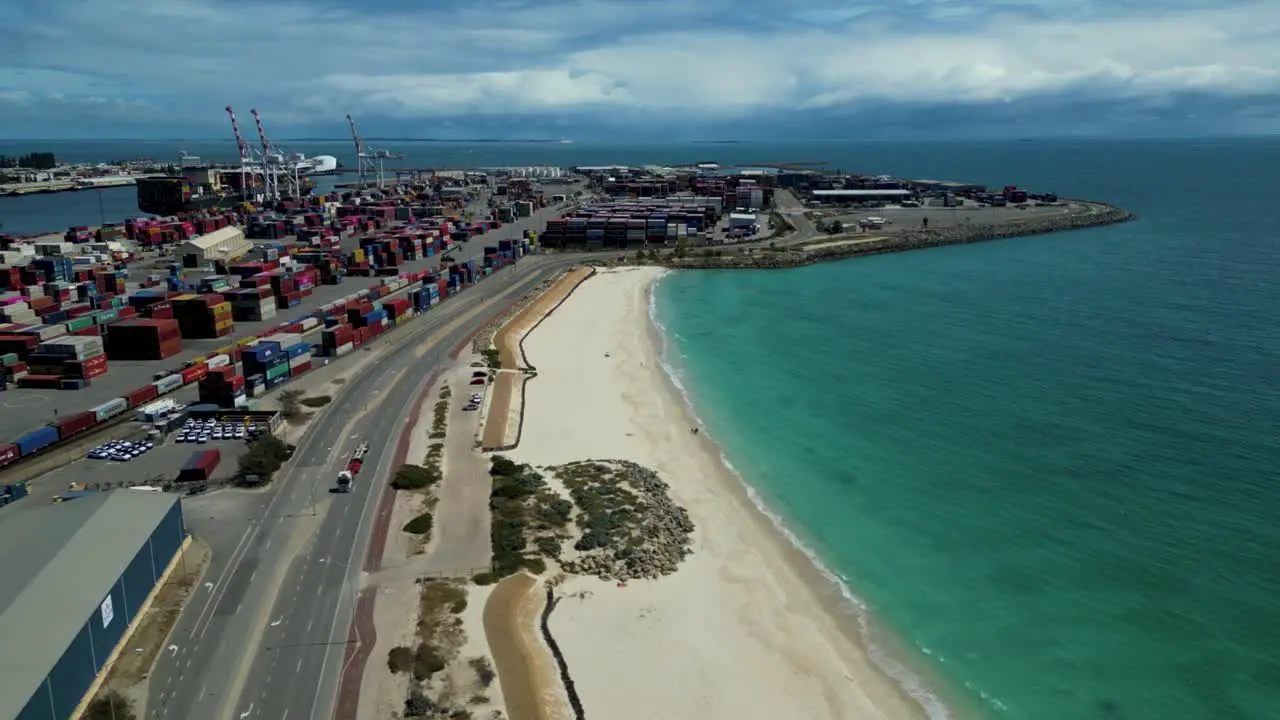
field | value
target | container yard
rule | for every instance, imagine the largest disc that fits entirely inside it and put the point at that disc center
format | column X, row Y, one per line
column 84, row 338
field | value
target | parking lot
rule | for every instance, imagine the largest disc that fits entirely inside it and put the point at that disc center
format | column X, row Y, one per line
column 154, row 466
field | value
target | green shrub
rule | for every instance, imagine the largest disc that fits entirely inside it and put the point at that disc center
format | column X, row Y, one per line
column 484, row 578
column 420, row 525
column 110, row 705
column 484, row 670
column 264, row 458
column 415, row 477
column 458, row 606
column 426, row 662
column 504, row 466
column 317, row 401
column 400, row 659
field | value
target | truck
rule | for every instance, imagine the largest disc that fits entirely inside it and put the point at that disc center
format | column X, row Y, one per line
column 347, row 477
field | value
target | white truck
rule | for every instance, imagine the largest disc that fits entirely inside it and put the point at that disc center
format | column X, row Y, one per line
column 347, row 477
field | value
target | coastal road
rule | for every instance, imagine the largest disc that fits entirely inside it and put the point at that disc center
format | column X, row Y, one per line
column 266, row 635
column 790, row 207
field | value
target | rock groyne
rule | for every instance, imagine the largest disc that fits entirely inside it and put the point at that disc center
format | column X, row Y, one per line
column 838, row 247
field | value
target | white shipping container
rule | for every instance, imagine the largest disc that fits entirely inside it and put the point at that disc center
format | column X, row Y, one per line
column 310, row 323
column 240, row 401
column 110, row 409
column 218, row 361
column 158, row 407
column 168, row 383
column 34, row 291
column 344, row 349
column 20, row 317
column 299, row 361
column 286, row 340
column 49, row 332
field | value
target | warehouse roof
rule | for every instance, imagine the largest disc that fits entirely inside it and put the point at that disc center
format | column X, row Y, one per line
column 61, row 563
column 213, row 239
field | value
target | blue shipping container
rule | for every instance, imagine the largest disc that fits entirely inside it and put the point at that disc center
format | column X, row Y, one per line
column 37, row 439
column 297, row 350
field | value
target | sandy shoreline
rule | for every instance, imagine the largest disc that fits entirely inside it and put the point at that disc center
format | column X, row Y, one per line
column 747, row 627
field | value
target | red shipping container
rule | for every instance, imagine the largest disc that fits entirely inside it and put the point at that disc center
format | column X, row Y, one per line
column 169, row 348
column 75, row 424
column 195, row 373
column 236, row 382
column 142, row 395
column 91, row 373
column 9, row 453
column 17, row 367
column 300, row 369
column 91, row 330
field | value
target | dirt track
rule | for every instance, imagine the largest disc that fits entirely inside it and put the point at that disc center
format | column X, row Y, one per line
column 510, row 621
column 508, row 385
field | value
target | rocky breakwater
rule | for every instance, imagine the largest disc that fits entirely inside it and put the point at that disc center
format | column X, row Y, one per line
column 1079, row 215
column 630, row 527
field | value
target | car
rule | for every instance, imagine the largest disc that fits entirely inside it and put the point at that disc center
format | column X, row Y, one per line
column 477, row 381
column 202, row 439
column 470, row 407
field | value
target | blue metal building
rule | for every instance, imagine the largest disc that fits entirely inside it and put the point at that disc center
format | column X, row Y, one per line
column 76, row 575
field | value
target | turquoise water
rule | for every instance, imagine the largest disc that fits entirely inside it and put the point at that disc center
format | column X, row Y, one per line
column 1047, row 465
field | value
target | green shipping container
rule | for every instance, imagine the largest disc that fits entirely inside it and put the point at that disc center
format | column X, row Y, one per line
column 277, row 371
column 80, row 323
column 103, row 317
column 9, row 358
column 117, row 302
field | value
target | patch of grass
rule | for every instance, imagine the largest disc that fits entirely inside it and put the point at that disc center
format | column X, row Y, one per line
column 420, row 525
column 400, row 659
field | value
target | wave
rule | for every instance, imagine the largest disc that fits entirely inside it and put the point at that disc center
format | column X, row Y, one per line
column 909, row 681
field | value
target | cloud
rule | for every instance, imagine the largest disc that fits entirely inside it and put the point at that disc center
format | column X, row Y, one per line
column 625, row 62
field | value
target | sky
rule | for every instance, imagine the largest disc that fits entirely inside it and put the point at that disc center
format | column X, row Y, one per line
column 640, row 69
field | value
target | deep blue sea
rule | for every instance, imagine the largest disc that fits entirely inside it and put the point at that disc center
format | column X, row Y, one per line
column 1048, row 466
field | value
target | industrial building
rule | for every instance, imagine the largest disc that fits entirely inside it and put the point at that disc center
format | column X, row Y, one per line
column 226, row 244
column 868, row 195
column 76, row 575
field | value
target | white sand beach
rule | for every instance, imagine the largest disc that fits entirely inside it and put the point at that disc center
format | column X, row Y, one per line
column 745, row 629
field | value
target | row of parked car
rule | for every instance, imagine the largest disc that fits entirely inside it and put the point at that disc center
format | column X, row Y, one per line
column 120, row 450
column 202, row 431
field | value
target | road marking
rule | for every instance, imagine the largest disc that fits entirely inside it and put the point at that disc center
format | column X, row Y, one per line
column 248, row 712
column 299, row 667
column 310, row 622
column 173, row 649
column 251, row 577
column 277, row 622
column 238, row 606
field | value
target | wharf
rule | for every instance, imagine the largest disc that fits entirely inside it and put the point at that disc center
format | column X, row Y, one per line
column 76, row 185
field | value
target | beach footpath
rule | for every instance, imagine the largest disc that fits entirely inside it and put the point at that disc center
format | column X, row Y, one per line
column 743, row 626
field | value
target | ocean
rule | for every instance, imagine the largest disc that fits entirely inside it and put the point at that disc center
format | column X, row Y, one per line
column 1045, row 466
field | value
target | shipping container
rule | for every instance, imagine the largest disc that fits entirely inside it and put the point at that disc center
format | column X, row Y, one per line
column 9, row 453
column 37, row 440
column 110, row 409
column 168, row 384
column 144, row 394
column 200, row 466
column 73, row 425
column 195, row 373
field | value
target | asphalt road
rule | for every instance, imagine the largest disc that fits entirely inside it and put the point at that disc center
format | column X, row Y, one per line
column 265, row 636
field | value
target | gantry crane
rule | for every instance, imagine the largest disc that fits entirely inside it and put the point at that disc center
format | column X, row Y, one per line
column 247, row 172
column 276, row 164
column 370, row 160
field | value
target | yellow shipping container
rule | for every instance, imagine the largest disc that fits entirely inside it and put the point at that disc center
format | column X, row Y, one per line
column 182, row 298
column 247, row 342
column 198, row 360
column 223, row 325
column 221, row 308
column 359, row 255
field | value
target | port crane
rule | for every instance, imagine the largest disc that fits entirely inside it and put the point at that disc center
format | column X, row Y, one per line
column 247, row 169
column 276, row 165
column 370, row 160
